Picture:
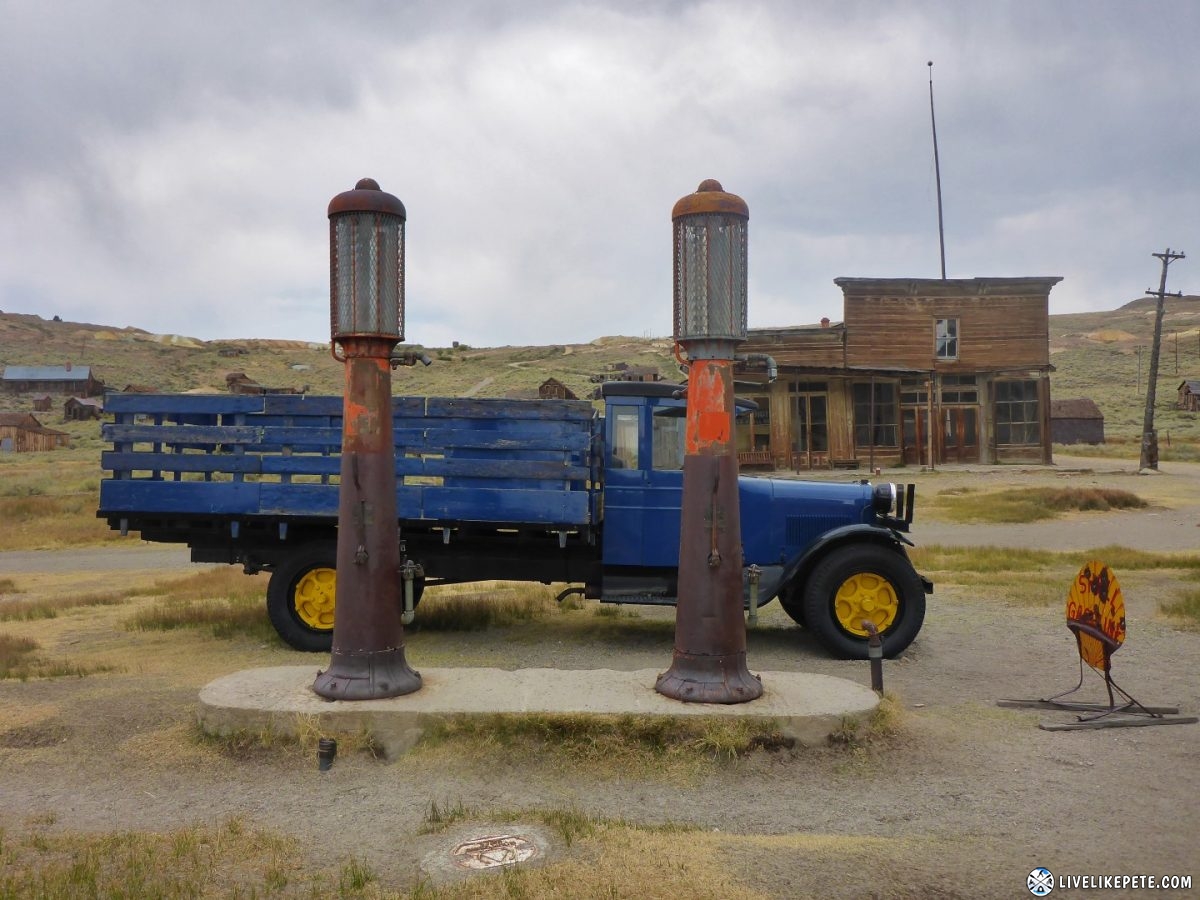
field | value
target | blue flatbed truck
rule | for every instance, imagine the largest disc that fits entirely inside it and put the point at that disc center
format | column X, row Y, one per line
column 548, row 491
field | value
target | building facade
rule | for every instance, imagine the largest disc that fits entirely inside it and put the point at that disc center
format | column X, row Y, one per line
column 1076, row 420
column 77, row 381
column 920, row 371
column 22, row 433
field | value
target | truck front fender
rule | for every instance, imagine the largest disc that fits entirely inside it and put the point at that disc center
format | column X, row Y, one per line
column 800, row 565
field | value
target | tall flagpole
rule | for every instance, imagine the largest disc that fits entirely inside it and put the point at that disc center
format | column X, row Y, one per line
column 937, row 168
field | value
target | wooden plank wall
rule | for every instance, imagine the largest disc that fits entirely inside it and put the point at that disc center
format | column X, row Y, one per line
column 994, row 332
column 813, row 346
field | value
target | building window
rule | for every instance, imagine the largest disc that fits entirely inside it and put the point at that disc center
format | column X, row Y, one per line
column 959, row 389
column 760, row 424
column 810, row 423
column 1017, row 418
column 946, row 339
column 914, row 391
column 875, row 415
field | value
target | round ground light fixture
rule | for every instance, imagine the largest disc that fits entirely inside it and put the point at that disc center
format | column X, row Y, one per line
column 494, row 851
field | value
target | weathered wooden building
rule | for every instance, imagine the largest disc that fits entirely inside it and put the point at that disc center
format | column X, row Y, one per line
column 78, row 409
column 919, row 371
column 1189, row 396
column 1076, row 421
column 553, row 389
column 22, row 432
column 77, row 381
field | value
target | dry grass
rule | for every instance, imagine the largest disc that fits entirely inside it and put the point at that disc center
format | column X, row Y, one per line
column 598, row 858
column 1184, row 610
column 299, row 740
column 20, row 609
column 1041, row 578
column 20, row 660
column 1032, row 504
column 476, row 607
column 222, row 601
column 229, row 860
column 662, row 747
column 49, row 499
column 955, row 561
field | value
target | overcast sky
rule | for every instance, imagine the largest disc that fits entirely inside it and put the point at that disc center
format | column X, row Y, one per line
column 169, row 165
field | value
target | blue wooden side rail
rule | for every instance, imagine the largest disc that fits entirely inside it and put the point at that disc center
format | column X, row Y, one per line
column 458, row 460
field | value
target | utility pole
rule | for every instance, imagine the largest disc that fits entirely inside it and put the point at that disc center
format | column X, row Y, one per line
column 937, row 169
column 1149, row 458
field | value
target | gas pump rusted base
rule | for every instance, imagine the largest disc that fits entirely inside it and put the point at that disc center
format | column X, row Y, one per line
column 370, row 675
column 709, row 663
column 367, row 662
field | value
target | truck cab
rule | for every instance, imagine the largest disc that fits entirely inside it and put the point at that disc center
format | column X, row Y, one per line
column 833, row 553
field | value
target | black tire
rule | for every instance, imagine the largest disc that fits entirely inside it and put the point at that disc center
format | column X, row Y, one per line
column 875, row 582
column 792, row 601
column 301, row 594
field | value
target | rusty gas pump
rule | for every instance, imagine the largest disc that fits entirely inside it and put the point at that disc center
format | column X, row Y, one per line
column 366, row 262
column 710, row 243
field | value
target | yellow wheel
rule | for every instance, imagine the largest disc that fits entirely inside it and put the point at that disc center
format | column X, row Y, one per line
column 857, row 581
column 300, row 596
column 868, row 596
column 313, row 599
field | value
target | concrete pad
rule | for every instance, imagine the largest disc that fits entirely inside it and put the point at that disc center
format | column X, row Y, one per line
column 804, row 707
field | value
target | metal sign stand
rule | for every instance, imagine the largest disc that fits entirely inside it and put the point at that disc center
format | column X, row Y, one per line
column 1096, row 616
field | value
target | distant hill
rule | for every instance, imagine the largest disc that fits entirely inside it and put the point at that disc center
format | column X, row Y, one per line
column 1095, row 354
column 122, row 356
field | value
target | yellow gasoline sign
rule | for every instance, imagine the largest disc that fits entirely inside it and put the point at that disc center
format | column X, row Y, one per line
column 1095, row 603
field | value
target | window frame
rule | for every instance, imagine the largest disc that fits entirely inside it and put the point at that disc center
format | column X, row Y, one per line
column 1028, row 404
column 867, row 433
column 946, row 335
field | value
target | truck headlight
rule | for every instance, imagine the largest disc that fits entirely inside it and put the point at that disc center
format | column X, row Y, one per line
column 884, row 498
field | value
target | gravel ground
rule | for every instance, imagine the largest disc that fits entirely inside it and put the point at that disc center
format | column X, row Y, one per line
column 965, row 803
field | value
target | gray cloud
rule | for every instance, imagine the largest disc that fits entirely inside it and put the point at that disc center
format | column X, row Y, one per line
column 169, row 166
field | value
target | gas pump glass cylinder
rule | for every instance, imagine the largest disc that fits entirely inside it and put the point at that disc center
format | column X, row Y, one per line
column 711, row 247
column 366, row 241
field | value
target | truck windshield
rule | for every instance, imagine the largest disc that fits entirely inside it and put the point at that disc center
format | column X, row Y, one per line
column 668, row 429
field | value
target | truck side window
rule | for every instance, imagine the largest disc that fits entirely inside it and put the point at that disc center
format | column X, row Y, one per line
column 625, row 438
column 668, row 441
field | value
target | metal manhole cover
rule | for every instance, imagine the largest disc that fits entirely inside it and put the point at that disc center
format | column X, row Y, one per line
column 493, row 851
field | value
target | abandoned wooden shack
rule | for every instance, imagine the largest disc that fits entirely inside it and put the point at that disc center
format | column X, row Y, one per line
column 22, row 433
column 919, row 371
column 625, row 372
column 79, row 409
column 241, row 383
column 77, row 381
column 1076, row 421
column 553, row 389
column 43, row 403
column 1189, row 396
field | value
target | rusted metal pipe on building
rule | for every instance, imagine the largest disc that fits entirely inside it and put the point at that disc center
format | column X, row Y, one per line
column 367, row 301
column 709, row 661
